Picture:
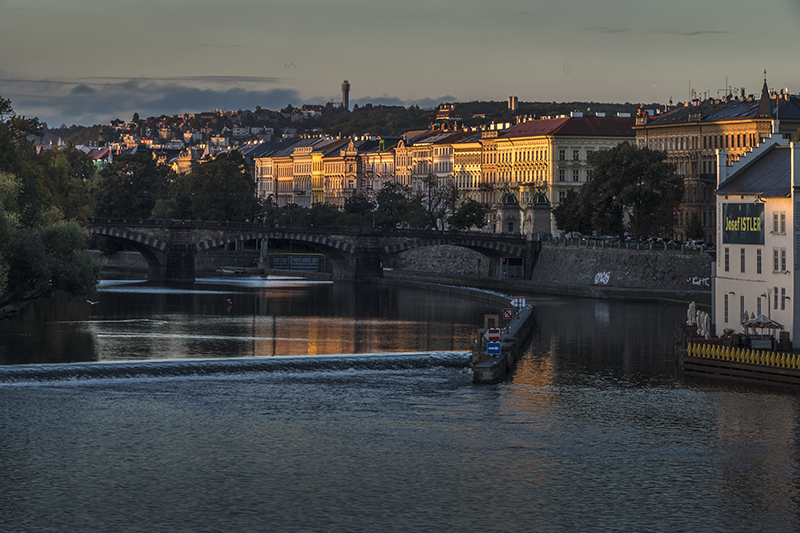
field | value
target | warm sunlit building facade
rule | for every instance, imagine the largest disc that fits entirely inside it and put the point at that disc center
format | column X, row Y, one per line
column 551, row 155
column 691, row 133
column 467, row 165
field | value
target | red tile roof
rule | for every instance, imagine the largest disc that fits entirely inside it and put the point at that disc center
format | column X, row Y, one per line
column 599, row 126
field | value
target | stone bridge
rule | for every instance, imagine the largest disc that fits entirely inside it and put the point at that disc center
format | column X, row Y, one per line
column 169, row 246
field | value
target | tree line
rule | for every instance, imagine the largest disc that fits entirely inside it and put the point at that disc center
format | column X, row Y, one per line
column 42, row 246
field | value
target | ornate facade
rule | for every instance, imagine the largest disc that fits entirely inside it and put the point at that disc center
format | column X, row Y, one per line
column 550, row 156
column 691, row 133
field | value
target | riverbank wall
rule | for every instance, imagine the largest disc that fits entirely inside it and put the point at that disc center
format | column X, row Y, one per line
column 569, row 270
column 560, row 269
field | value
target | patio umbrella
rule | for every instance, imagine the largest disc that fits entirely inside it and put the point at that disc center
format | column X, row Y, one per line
column 761, row 322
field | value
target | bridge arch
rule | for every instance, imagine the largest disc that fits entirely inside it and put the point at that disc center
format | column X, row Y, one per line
column 152, row 249
column 324, row 241
column 340, row 253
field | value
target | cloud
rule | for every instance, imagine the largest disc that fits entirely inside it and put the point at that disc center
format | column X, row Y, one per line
column 689, row 33
column 428, row 103
column 99, row 100
column 82, row 89
column 608, row 29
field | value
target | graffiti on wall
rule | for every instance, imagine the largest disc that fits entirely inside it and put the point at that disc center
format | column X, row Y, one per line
column 697, row 281
column 602, row 278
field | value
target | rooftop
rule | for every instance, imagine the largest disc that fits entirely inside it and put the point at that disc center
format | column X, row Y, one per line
column 769, row 176
column 579, row 126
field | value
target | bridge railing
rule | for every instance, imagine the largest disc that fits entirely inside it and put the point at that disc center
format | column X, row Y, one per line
column 627, row 245
column 259, row 226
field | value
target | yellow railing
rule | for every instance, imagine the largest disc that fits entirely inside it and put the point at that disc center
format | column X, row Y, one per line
column 744, row 355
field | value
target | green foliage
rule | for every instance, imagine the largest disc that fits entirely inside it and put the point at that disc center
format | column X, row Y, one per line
column 632, row 189
column 377, row 120
column 221, row 189
column 323, row 215
column 130, row 187
column 469, row 214
column 572, row 216
column 359, row 210
column 39, row 261
column 394, row 205
column 85, row 136
column 64, row 178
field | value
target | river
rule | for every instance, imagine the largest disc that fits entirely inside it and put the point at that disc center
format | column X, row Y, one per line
column 336, row 407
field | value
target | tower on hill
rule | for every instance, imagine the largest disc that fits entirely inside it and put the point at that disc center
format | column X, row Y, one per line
column 346, row 95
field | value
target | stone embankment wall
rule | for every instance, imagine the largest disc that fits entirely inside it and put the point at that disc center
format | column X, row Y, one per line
column 443, row 259
column 629, row 269
column 560, row 269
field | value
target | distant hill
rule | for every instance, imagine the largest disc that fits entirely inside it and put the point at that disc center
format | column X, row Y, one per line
column 392, row 120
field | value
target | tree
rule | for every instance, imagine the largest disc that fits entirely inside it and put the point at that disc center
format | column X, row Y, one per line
column 439, row 199
column 130, row 187
column 632, row 189
column 39, row 252
column 469, row 214
column 393, row 205
column 220, row 189
column 359, row 210
column 37, row 261
column 571, row 215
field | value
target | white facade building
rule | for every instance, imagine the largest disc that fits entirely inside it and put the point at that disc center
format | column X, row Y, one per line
column 755, row 210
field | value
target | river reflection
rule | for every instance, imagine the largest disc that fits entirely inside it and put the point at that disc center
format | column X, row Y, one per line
column 238, row 317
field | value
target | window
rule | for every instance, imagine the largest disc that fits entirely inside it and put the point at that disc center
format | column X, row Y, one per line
column 576, row 175
column 783, row 299
column 588, row 174
column 576, row 154
column 588, row 153
column 775, row 222
column 727, row 259
column 758, row 306
column 562, row 175
column 758, row 262
column 775, row 260
column 741, row 305
column 561, row 196
column 726, row 308
column 562, row 155
column 783, row 259
column 783, row 222
column 742, row 259
column 775, row 297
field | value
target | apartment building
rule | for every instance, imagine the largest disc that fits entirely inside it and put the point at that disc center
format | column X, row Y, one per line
column 691, row 133
column 550, row 156
column 467, row 165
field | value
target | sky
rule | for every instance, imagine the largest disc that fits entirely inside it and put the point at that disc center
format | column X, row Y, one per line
column 88, row 62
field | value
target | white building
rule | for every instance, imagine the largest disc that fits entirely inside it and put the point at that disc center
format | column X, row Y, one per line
column 754, row 269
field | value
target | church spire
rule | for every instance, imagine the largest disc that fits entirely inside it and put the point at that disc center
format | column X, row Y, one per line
column 765, row 105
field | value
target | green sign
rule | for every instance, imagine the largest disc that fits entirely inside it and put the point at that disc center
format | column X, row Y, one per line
column 743, row 223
